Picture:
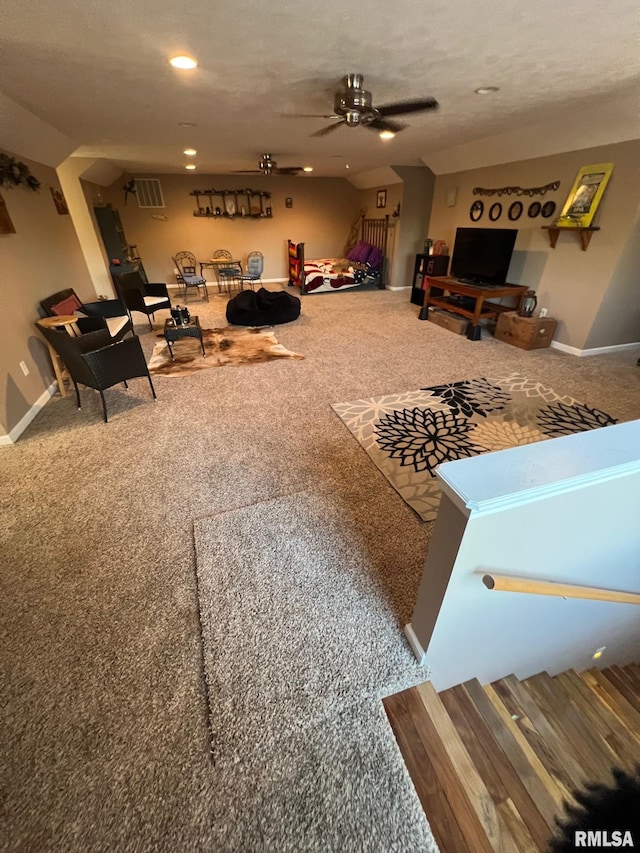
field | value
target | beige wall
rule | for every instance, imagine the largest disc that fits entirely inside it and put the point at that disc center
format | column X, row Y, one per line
column 43, row 256
column 573, row 285
column 322, row 213
column 413, row 223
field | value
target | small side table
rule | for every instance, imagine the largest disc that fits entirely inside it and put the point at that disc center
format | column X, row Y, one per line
column 174, row 332
column 66, row 321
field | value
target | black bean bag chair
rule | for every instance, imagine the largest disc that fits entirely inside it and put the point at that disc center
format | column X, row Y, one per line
column 262, row 308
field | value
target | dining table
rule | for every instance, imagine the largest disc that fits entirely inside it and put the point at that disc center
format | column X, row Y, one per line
column 216, row 264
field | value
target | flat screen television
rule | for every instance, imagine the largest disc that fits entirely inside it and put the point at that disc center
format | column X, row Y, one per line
column 482, row 255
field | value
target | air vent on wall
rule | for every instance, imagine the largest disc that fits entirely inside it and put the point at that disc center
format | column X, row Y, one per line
column 149, row 192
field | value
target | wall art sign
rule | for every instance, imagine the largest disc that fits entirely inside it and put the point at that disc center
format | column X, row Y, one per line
column 59, row 200
column 585, row 195
column 381, row 200
column 6, row 225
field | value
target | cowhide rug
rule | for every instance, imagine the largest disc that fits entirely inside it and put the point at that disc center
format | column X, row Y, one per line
column 227, row 346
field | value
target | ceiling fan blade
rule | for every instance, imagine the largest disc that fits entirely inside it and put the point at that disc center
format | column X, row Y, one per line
column 289, row 170
column 311, row 115
column 247, row 172
column 379, row 124
column 404, row 107
column 327, row 129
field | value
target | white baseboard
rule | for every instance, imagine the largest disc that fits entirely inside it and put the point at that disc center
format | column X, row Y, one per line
column 401, row 287
column 414, row 642
column 593, row 350
column 26, row 419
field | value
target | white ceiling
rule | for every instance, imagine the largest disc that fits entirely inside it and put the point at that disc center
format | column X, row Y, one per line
column 97, row 73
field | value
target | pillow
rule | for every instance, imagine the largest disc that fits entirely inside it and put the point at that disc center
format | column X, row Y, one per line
column 360, row 253
column 67, row 306
column 375, row 258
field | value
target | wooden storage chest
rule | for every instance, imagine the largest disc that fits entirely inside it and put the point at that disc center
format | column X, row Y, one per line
column 525, row 332
column 448, row 320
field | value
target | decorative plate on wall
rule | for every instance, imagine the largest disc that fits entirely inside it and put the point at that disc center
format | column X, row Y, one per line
column 548, row 209
column 534, row 209
column 476, row 210
column 515, row 211
column 495, row 211
column 230, row 206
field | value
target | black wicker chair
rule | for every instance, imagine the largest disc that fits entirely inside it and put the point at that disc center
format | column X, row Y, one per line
column 109, row 314
column 139, row 295
column 94, row 360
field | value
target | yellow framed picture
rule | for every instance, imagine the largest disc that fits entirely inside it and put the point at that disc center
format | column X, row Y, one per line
column 583, row 200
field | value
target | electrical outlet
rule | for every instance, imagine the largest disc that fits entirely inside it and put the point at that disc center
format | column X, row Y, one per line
column 543, row 312
column 24, row 368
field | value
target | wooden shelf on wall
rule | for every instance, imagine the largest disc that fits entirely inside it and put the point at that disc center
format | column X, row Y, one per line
column 584, row 233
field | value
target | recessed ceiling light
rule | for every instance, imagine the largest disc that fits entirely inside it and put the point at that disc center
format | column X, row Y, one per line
column 346, row 165
column 190, row 166
column 184, row 62
column 307, row 168
column 387, row 134
column 486, row 90
column 186, row 124
column 190, row 152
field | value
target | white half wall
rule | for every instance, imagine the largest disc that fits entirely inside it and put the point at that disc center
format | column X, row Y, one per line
column 563, row 510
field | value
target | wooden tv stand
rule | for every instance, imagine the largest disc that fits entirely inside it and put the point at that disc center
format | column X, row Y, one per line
column 484, row 307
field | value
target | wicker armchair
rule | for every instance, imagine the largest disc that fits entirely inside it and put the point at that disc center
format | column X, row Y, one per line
column 109, row 314
column 94, row 360
column 143, row 296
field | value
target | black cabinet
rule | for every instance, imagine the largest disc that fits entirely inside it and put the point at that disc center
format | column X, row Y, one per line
column 115, row 243
column 433, row 265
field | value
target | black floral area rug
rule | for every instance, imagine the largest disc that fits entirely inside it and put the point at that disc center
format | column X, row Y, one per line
column 408, row 435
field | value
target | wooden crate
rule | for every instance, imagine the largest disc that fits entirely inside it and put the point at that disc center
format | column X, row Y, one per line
column 525, row 332
column 448, row 320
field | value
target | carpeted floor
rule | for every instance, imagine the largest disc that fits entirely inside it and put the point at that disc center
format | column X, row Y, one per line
column 104, row 716
column 300, row 644
column 408, row 435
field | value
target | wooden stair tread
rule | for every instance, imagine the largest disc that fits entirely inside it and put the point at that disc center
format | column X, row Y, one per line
column 600, row 684
column 431, row 794
column 623, row 742
column 623, row 686
column 496, row 770
column 547, row 740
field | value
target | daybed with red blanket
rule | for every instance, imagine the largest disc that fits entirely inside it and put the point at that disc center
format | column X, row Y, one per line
column 364, row 264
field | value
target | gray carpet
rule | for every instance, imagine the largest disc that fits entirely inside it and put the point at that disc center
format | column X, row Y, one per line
column 296, row 629
column 339, row 784
column 103, row 708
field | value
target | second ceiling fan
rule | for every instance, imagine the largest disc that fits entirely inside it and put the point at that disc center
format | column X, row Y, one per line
column 268, row 166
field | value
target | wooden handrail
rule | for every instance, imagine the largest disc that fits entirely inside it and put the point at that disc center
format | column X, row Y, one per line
column 508, row 583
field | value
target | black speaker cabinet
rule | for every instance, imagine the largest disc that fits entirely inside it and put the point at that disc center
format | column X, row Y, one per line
column 437, row 265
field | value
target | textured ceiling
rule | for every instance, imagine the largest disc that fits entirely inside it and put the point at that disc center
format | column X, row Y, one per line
column 97, row 72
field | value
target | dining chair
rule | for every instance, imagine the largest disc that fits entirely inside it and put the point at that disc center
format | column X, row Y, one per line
column 255, row 266
column 227, row 276
column 185, row 263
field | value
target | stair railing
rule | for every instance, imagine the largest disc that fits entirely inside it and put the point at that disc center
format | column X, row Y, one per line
column 511, row 583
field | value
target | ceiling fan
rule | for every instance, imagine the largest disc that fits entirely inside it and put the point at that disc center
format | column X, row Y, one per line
column 353, row 106
column 268, row 166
